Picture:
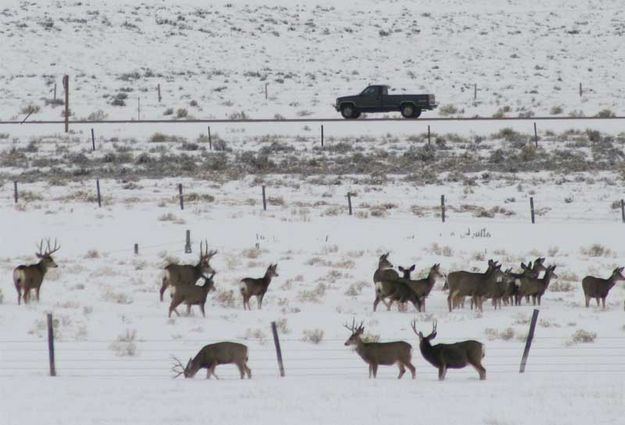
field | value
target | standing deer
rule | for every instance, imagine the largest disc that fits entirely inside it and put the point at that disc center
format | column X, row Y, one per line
column 598, row 288
column 463, row 283
column 192, row 295
column 451, row 356
column 539, row 266
column 423, row 287
column 177, row 275
column 257, row 286
column 384, row 279
column 27, row 278
column 213, row 355
column 535, row 287
column 381, row 353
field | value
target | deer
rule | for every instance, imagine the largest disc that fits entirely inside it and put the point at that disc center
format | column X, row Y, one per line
column 213, row 355
column 463, row 283
column 423, row 287
column 383, row 279
column 192, row 295
column 539, row 266
column 29, row 277
column 535, row 287
column 257, row 287
column 512, row 280
column 598, row 288
column 450, row 356
column 380, row 353
column 177, row 275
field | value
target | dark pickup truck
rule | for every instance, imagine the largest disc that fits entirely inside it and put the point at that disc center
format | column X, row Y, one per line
column 376, row 99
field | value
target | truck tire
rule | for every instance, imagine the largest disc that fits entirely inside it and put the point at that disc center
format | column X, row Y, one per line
column 407, row 110
column 349, row 112
column 417, row 113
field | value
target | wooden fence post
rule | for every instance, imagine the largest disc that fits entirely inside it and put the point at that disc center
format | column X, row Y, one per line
column 349, row 202
column 92, row 141
column 532, row 209
column 264, row 200
column 266, row 84
column 443, row 208
column 66, row 87
column 138, row 109
column 187, row 245
column 210, row 140
column 276, row 341
column 54, row 91
column 321, row 135
column 51, row 345
column 475, row 92
column 622, row 210
column 15, row 193
column 97, row 185
column 158, row 88
column 136, row 249
column 580, row 90
column 428, row 134
column 535, row 135
column 528, row 342
column 180, row 195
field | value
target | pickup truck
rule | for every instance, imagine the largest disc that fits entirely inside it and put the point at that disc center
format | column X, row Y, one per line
column 376, row 99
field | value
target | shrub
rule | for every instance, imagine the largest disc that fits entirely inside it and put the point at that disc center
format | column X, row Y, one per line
column 582, row 336
column 447, row 110
column 314, row 336
column 125, row 344
column 606, row 113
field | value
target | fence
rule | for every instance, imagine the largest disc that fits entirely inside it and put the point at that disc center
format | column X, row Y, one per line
column 348, row 204
column 153, row 358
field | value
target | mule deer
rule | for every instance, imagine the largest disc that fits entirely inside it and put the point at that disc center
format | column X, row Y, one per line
column 463, row 283
column 29, row 277
column 534, row 271
column 598, row 288
column 257, row 286
column 177, row 275
column 423, row 287
column 383, row 279
column 213, row 355
column 451, row 356
column 381, row 353
column 535, row 287
column 192, row 295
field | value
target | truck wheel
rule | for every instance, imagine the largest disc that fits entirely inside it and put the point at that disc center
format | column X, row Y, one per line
column 417, row 113
column 407, row 111
column 348, row 112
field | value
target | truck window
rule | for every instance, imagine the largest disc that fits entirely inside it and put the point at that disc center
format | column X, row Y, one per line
column 384, row 91
column 370, row 91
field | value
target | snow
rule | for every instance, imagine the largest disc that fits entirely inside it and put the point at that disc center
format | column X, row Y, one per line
column 114, row 342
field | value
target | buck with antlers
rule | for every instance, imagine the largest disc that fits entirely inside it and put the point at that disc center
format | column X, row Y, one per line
column 598, row 288
column 192, row 295
column 213, row 355
column 177, row 275
column 257, row 287
column 27, row 278
column 450, row 356
column 381, row 353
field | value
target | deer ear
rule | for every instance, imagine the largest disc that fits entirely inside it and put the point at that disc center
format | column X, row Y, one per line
column 412, row 268
column 401, row 269
column 39, row 255
column 189, row 363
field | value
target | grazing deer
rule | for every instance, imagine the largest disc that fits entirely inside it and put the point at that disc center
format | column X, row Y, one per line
column 213, row 355
column 423, row 287
column 257, row 286
column 535, row 287
column 451, row 356
column 192, row 295
column 27, row 278
column 383, row 279
column 381, row 353
column 598, row 288
column 177, row 275
column 463, row 283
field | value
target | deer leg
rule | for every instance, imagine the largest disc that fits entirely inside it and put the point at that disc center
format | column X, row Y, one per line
column 241, row 370
column 480, row 369
column 442, row 371
column 188, row 309
column 374, row 369
column 202, row 308
column 19, row 294
column 249, row 372
column 603, row 302
column 260, row 301
column 370, row 371
column 26, row 295
column 597, row 301
column 411, row 369
column 402, row 370
column 587, row 300
column 376, row 302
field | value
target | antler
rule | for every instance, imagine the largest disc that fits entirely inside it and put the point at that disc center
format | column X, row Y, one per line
column 210, row 254
column 177, row 368
column 355, row 329
column 413, row 325
column 49, row 250
column 434, row 326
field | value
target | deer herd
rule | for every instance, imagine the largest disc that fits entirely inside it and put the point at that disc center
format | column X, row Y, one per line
column 501, row 287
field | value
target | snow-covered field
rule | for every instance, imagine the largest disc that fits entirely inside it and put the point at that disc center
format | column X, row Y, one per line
column 114, row 341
